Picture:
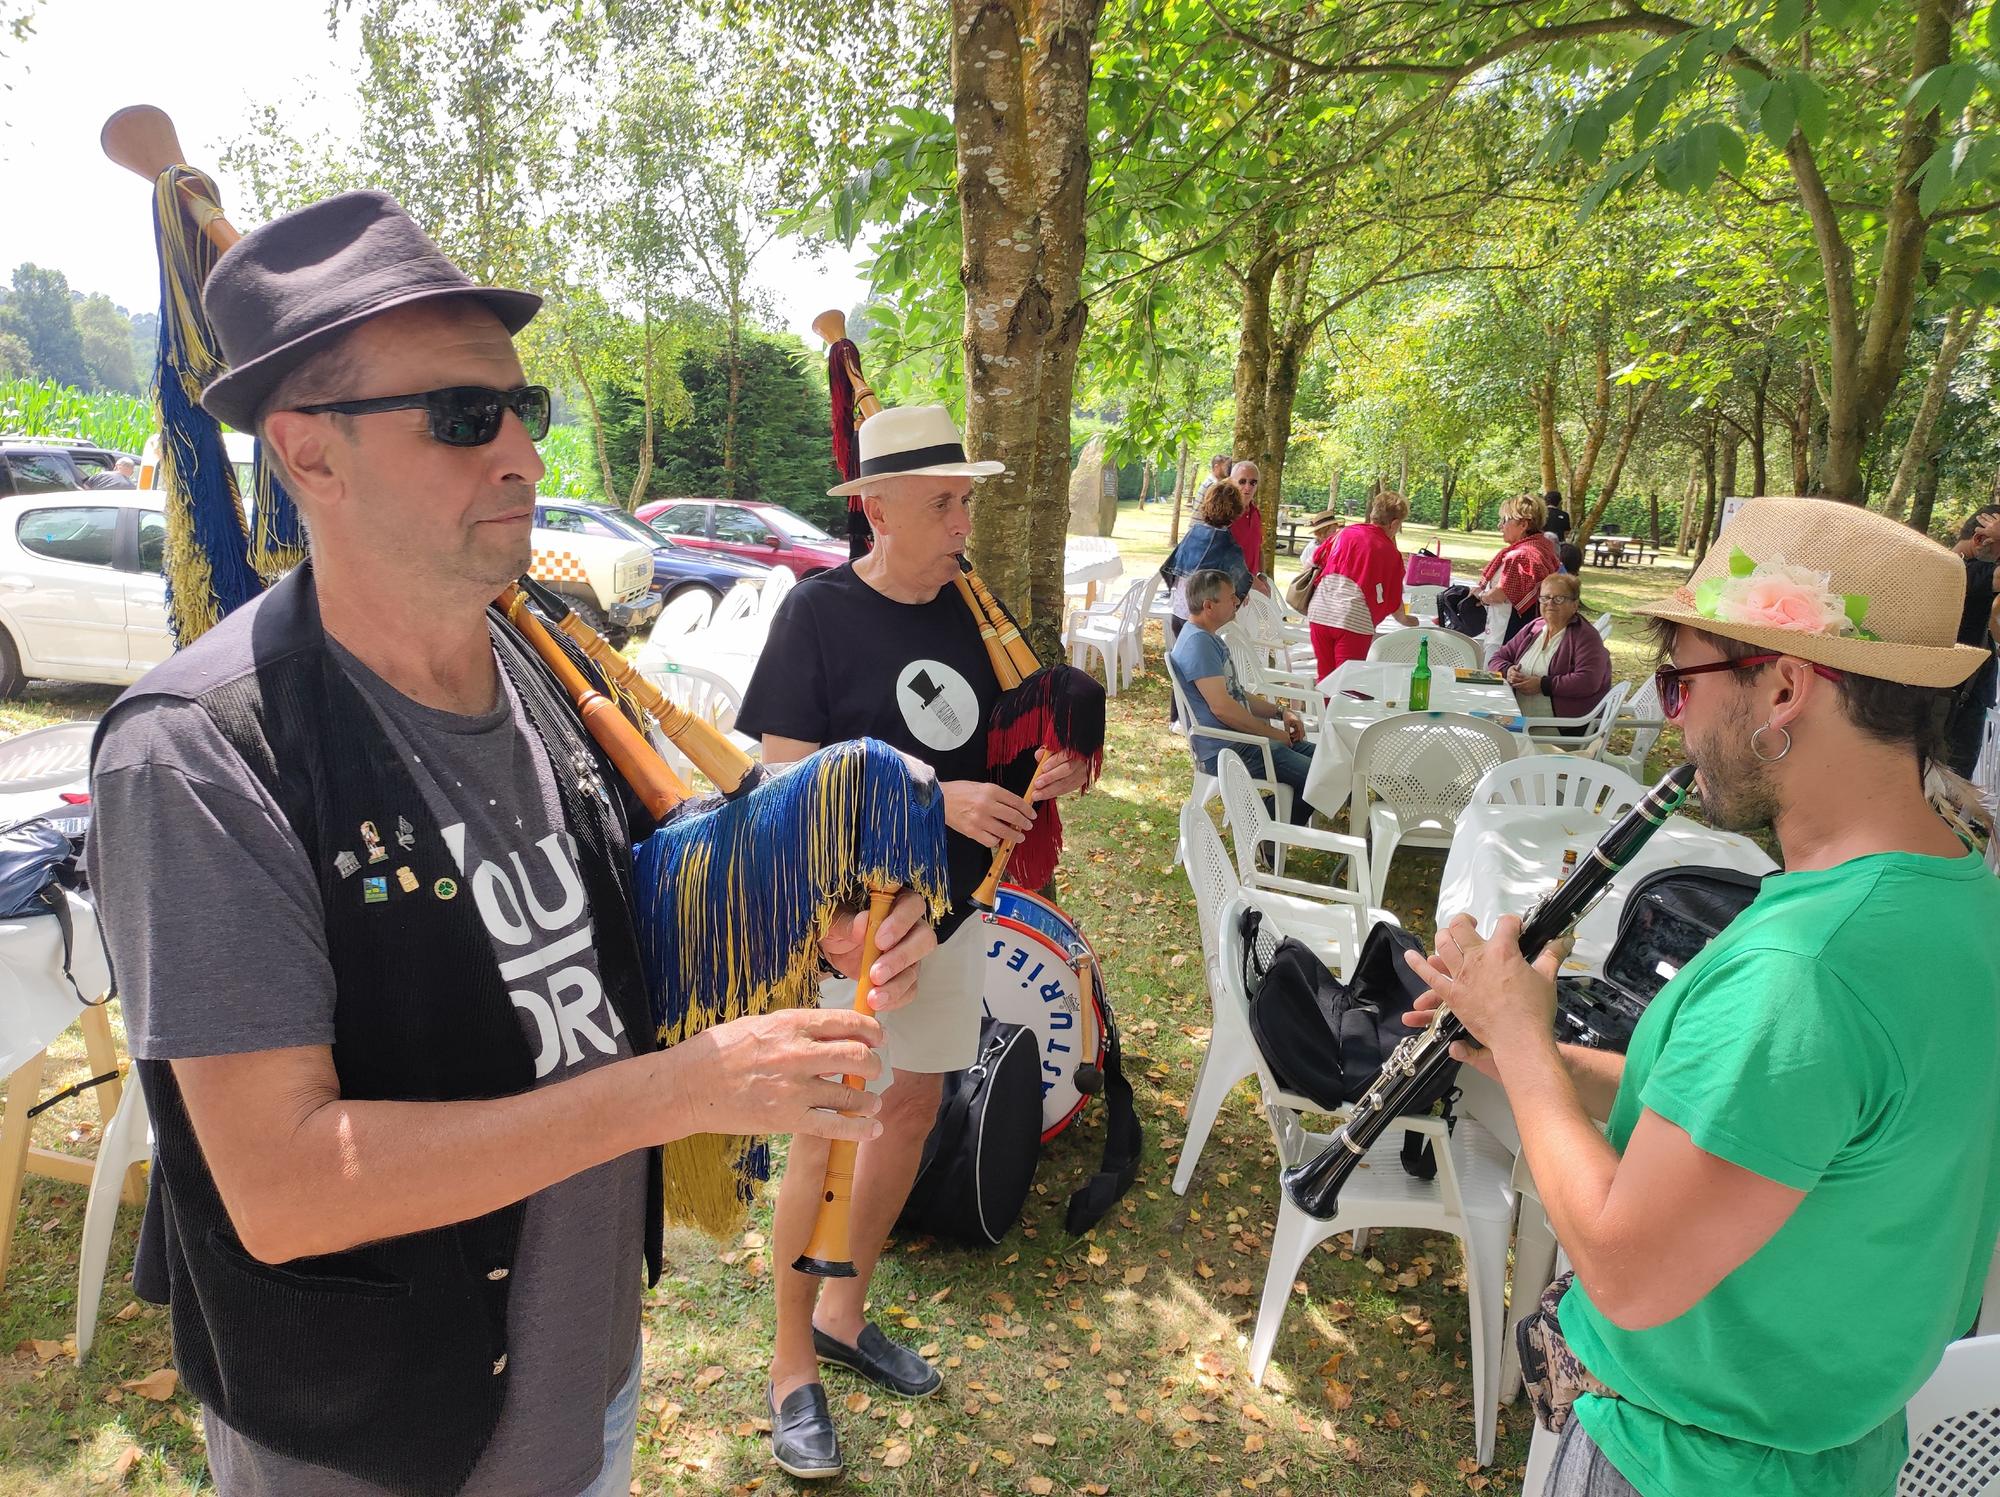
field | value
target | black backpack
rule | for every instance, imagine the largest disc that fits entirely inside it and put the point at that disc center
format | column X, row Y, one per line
column 1461, row 611
column 39, row 860
column 1327, row 1039
column 981, row 1154
column 1668, row 917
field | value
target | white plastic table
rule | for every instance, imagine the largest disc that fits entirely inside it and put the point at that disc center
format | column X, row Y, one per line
column 1386, row 685
column 1089, row 560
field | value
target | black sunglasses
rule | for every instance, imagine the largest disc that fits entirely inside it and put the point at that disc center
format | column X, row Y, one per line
column 1669, row 679
column 462, row 416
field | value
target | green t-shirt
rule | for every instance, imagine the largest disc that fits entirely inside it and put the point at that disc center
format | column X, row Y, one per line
column 1841, row 1037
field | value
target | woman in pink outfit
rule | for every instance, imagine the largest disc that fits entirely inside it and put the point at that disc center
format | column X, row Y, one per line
column 1515, row 575
column 1361, row 584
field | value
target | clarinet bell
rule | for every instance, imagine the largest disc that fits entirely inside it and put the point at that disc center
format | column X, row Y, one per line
column 1314, row 1186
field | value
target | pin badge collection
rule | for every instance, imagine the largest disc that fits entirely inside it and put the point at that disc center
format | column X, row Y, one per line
column 375, row 889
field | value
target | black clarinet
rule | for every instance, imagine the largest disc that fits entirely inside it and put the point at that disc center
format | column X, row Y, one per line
column 1413, row 1066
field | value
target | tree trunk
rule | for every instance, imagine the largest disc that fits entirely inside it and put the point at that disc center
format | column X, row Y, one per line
column 1020, row 75
column 1707, row 496
column 1802, row 429
column 1653, row 516
column 1279, row 395
column 1926, row 484
column 1595, row 427
column 1333, row 489
column 1759, row 396
column 735, row 397
column 596, row 419
column 1637, row 404
column 644, row 474
column 1447, row 487
column 1687, row 505
column 1183, row 481
column 1251, row 440
column 1958, row 330
column 1725, row 478
column 1545, row 424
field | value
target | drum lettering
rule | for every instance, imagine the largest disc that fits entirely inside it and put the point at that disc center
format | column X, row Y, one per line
column 1062, row 1018
column 1052, row 1045
column 1018, row 960
column 1054, row 992
column 1036, row 973
column 994, row 950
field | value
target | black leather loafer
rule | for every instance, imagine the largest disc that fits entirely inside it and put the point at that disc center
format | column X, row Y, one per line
column 881, row 1361
column 803, row 1441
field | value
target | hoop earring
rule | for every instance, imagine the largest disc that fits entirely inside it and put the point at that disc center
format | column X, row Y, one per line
column 1764, row 758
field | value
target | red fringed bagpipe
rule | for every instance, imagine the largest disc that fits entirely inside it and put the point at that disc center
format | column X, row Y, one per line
column 842, row 360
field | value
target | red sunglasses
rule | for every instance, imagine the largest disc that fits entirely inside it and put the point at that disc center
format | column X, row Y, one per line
column 1673, row 695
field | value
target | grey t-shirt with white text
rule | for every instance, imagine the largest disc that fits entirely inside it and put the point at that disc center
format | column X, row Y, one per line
column 211, row 910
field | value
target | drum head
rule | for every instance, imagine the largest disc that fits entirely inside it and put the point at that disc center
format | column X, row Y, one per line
column 1030, row 977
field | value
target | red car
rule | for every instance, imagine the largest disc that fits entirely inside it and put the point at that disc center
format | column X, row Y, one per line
column 767, row 534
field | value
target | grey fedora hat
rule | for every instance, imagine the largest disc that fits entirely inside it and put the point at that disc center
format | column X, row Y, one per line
column 296, row 284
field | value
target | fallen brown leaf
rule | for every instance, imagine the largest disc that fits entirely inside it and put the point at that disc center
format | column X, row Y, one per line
column 158, row 1386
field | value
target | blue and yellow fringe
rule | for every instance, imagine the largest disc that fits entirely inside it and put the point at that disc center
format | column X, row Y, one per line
column 732, row 902
column 211, row 568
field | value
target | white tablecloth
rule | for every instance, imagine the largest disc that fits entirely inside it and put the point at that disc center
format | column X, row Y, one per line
column 1504, row 858
column 36, row 1004
column 1089, row 559
column 1387, row 686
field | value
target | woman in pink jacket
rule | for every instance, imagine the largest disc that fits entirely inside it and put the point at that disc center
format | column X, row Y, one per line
column 1360, row 584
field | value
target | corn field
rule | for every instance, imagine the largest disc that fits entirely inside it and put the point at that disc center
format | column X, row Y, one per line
column 43, row 408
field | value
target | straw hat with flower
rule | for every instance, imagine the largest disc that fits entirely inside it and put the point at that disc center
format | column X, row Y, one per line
column 1834, row 584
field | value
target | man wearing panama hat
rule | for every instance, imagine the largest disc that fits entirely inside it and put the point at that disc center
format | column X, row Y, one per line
column 1794, row 1206
column 883, row 647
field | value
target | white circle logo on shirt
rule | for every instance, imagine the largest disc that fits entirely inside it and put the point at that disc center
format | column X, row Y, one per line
column 938, row 703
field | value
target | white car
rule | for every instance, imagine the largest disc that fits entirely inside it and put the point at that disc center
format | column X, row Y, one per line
column 83, row 595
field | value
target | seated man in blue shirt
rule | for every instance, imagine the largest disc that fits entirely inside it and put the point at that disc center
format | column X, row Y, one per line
column 1216, row 696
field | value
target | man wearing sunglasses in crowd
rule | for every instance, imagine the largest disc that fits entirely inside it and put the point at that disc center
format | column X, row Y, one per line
column 366, row 886
column 1794, row 1206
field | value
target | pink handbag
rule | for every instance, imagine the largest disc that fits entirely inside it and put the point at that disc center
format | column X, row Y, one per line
column 1427, row 571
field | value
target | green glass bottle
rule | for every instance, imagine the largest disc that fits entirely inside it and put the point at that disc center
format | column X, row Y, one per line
column 1420, row 678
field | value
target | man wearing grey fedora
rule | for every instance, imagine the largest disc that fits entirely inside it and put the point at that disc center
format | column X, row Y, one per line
column 369, row 904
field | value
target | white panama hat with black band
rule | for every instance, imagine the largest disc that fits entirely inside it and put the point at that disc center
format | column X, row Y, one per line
column 912, row 441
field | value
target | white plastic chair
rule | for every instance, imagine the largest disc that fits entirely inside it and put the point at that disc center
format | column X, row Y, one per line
column 1547, row 736
column 1287, row 643
column 1333, row 933
column 1545, row 781
column 1259, row 675
column 1206, row 786
column 46, row 758
column 1469, row 1198
column 1109, row 633
column 777, row 582
column 703, row 694
column 1251, row 828
column 1449, row 650
column 687, row 610
column 1640, row 713
column 1413, row 774
column 740, row 602
column 1955, row 1424
column 127, row 1140
column 1602, row 624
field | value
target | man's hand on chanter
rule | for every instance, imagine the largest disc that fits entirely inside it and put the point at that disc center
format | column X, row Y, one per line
column 905, row 939
column 766, row 1074
column 989, row 814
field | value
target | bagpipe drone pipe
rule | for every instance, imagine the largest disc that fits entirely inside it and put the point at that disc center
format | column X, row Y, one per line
column 732, row 891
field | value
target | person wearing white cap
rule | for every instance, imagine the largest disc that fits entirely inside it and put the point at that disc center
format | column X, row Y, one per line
column 1795, row 1204
column 883, row 647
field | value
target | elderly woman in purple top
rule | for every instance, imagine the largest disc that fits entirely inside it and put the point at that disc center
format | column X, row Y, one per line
column 1557, row 665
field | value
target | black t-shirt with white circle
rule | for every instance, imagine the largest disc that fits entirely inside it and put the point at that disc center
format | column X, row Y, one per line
column 843, row 661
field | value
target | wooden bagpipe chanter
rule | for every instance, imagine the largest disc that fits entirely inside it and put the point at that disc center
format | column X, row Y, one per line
column 733, row 890
column 1037, row 969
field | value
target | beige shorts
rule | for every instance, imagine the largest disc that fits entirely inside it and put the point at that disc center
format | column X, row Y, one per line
column 938, row 1030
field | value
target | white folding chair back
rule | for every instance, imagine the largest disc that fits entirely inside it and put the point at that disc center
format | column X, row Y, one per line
column 1602, row 624
column 1414, row 773
column 1110, row 633
column 1449, row 649
column 1545, row 780
column 1955, row 1425
column 687, row 610
column 740, row 602
column 777, row 582
column 1547, row 736
column 1285, row 643
column 1640, row 712
column 1254, row 669
column 1252, row 827
column 127, row 1140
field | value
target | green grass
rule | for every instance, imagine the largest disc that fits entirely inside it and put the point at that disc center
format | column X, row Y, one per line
column 1111, row 1363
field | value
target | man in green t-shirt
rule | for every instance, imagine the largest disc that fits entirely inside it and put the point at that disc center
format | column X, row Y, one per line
column 1794, row 1205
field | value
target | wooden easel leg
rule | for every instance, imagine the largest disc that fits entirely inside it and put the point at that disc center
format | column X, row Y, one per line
column 23, row 1088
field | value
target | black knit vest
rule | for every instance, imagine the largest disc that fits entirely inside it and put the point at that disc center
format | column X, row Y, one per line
column 387, row 1362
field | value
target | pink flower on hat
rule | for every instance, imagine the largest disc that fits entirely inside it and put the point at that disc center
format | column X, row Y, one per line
column 1775, row 595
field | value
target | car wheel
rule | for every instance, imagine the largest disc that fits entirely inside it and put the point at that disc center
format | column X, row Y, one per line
column 587, row 611
column 11, row 679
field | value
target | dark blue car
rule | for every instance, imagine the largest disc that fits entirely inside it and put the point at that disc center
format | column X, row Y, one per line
column 675, row 567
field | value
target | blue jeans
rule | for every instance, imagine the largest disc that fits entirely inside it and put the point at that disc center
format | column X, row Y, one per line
column 1292, row 765
column 621, row 1428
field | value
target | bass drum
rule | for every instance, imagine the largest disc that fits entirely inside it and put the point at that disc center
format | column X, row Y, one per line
column 1040, row 972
